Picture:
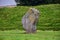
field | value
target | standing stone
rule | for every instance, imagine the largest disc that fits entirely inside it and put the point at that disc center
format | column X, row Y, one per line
column 30, row 19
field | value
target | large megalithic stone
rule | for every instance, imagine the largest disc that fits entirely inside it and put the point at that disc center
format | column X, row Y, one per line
column 30, row 19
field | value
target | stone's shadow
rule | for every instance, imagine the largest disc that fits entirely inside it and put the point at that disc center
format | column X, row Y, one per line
column 26, row 33
column 22, row 33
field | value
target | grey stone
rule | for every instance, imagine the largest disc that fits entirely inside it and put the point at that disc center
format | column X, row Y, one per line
column 30, row 19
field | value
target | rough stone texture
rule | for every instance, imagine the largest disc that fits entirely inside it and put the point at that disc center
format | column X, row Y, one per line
column 30, row 19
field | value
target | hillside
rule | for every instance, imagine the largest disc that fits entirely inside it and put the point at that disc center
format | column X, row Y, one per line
column 10, row 18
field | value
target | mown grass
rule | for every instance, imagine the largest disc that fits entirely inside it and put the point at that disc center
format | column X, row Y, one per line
column 19, row 35
column 10, row 18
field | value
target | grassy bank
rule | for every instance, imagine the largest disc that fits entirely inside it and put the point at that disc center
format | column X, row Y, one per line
column 10, row 18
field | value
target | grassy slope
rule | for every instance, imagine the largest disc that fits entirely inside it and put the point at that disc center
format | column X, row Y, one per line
column 11, row 17
column 40, row 35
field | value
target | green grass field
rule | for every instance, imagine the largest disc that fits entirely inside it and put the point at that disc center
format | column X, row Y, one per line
column 19, row 35
column 11, row 26
column 10, row 18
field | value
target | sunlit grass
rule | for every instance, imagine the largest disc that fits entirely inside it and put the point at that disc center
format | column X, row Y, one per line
column 10, row 18
column 19, row 35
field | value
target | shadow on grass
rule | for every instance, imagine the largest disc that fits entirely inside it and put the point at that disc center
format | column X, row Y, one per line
column 1, row 38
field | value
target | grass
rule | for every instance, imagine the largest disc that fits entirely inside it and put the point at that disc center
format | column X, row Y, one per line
column 49, row 17
column 10, row 18
column 19, row 35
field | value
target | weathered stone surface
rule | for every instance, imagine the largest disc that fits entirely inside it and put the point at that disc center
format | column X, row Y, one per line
column 30, row 19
